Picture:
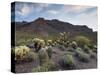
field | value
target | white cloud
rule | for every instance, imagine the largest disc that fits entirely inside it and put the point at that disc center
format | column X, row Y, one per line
column 89, row 19
column 80, row 16
column 74, row 14
column 75, row 8
column 24, row 10
column 39, row 7
column 43, row 5
column 53, row 12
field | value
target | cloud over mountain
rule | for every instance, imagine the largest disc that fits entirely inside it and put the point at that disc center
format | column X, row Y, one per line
column 75, row 14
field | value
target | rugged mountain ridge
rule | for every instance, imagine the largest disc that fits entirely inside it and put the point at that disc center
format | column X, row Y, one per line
column 47, row 27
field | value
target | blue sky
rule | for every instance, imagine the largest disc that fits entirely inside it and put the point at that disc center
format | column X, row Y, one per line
column 75, row 14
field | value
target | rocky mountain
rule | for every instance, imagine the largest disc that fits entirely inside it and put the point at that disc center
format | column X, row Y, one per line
column 45, row 27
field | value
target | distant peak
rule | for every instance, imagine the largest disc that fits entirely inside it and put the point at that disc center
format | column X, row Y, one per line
column 40, row 21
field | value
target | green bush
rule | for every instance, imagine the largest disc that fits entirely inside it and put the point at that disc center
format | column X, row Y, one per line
column 86, row 49
column 67, row 61
column 82, row 40
column 81, row 55
column 43, row 56
column 91, row 46
column 49, row 66
column 49, row 51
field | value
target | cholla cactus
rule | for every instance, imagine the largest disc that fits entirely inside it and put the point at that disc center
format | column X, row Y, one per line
column 58, row 41
column 74, row 44
column 43, row 56
column 67, row 61
column 20, row 52
column 55, row 43
column 63, row 38
column 49, row 51
column 61, row 34
column 82, row 55
column 38, row 43
column 49, row 42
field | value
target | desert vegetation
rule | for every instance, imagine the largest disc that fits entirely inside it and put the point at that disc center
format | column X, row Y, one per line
column 52, row 54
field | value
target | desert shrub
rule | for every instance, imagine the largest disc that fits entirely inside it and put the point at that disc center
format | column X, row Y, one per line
column 74, row 44
column 20, row 52
column 63, row 38
column 67, row 61
column 58, row 41
column 68, row 43
column 49, row 51
column 31, row 56
column 43, row 56
column 49, row 42
column 81, row 55
column 86, row 49
column 82, row 40
column 55, row 43
column 91, row 46
column 49, row 66
column 38, row 43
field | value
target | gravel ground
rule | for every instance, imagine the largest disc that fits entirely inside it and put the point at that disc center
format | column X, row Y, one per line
column 56, row 56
